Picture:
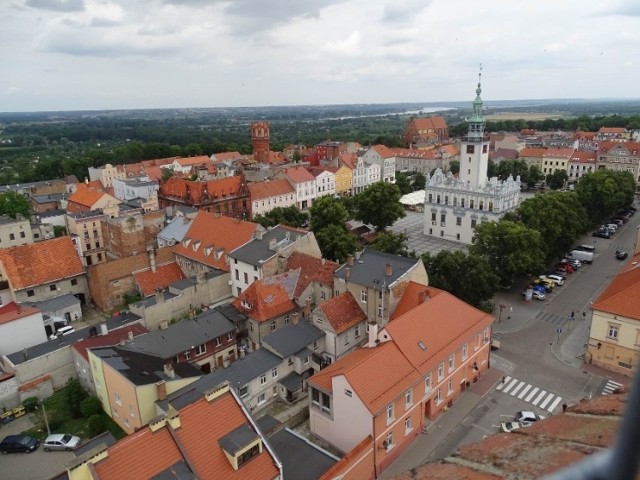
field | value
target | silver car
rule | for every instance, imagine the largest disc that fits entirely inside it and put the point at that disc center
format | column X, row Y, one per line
column 61, row 441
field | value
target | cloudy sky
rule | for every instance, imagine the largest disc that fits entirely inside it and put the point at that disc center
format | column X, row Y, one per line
column 104, row 54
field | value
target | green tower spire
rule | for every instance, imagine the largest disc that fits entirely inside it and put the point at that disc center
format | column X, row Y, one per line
column 476, row 122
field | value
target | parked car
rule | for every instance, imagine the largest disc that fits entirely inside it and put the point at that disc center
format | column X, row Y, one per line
column 566, row 267
column 527, row 416
column 548, row 286
column 556, row 278
column 601, row 234
column 574, row 262
column 61, row 441
column 536, row 295
column 617, row 221
column 19, row 443
column 560, row 273
column 508, row 427
column 621, row 254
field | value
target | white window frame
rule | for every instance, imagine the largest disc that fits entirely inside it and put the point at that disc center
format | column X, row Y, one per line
column 201, row 349
column 465, row 351
column 613, row 331
column 407, row 426
column 263, row 379
column 440, row 372
column 452, row 362
column 427, row 384
column 390, row 413
column 408, row 398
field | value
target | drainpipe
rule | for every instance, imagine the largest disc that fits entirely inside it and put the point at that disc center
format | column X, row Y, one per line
column 375, row 450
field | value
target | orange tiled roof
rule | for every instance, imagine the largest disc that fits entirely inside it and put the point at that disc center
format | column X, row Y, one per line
column 349, row 160
column 86, row 196
column 164, row 275
column 11, row 311
column 112, row 338
column 343, row 312
column 612, row 130
column 430, row 123
column 299, row 174
column 438, row 321
column 179, row 187
column 622, row 296
column 95, row 184
column 224, row 156
column 426, row 154
column 270, row 188
column 383, row 151
column 312, row 269
column 583, row 157
column 212, row 421
column 154, row 173
column 210, row 230
column 393, row 375
column 40, row 263
column 532, row 152
column 263, row 301
column 630, row 146
column 185, row 162
column 412, row 297
column 584, row 135
column 558, row 152
column 136, row 456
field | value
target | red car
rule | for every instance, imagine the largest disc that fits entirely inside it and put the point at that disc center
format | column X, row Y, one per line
column 565, row 267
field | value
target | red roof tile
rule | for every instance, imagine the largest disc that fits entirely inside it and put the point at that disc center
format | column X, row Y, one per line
column 164, row 275
column 86, row 196
column 196, row 190
column 12, row 311
column 185, row 162
column 343, row 312
column 612, row 130
column 622, row 296
column 114, row 337
column 270, row 188
column 532, row 152
column 558, row 152
column 437, row 322
column 42, row 262
column 222, row 234
column 412, row 297
column 312, row 269
column 583, row 157
column 393, row 375
column 263, row 301
column 299, row 174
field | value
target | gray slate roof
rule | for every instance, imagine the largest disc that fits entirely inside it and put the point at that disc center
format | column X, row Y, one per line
column 300, row 458
column 63, row 342
column 371, row 266
column 56, row 303
column 54, row 197
column 239, row 373
column 238, row 438
column 256, row 252
column 51, row 213
column 140, row 368
column 182, row 336
column 176, row 229
column 291, row 338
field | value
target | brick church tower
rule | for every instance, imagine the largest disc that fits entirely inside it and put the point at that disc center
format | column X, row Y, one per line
column 260, row 140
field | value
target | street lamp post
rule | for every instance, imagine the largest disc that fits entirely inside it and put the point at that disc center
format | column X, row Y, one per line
column 46, row 420
column 502, row 307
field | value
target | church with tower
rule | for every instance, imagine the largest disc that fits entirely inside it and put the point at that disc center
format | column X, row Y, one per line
column 455, row 206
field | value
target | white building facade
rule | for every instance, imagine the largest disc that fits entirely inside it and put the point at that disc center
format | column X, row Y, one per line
column 455, row 206
column 325, row 183
column 379, row 155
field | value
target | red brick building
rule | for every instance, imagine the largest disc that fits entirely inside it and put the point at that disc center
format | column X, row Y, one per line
column 260, row 141
column 426, row 130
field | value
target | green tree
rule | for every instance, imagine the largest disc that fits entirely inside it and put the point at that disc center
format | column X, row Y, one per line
column 167, row 173
column 12, row 203
column 557, row 179
column 603, row 192
column 454, row 166
column 419, row 181
column 90, row 406
column 290, row 216
column 390, row 242
column 403, row 183
column 296, row 157
column 535, row 175
column 336, row 243
column 468, row 277
column 327, row 211
column 97, row 424
column 379, row 205
column 510, row 248
column 73, row 394
column 557, row 216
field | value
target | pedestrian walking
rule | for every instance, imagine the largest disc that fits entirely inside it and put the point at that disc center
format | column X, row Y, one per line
column 564, row 407
column 573, row 314
column 584, row 315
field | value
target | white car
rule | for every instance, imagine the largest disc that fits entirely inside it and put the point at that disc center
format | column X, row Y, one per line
column 61, row 441
column 508, row 427
column 527, row 417
column 538, row 295
column 556, row 278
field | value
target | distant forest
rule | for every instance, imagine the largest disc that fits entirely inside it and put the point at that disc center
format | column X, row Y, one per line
column 46, row 145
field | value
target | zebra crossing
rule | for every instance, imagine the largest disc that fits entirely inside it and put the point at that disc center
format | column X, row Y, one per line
column 553, row 318
column 610, row 387
column 536, row 396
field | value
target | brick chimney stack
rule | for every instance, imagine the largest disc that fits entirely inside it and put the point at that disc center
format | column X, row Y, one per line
column 388, row 271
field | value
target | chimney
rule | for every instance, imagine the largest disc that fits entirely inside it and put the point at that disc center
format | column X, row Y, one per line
column 161, row 389
column 347, row 273
column 130, row 335
column 159, row 296
column 388, row 270
column 349, row 260
column 373, row 335
column 168, row 370
column 295, row 318
column 307, row 309
column 103, row 329
column 152, row 259
column 259, row 233
column 272, row 243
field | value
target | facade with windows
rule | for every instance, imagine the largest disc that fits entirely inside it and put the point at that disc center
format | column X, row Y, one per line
column 620, row 156
column 14, row 232
column 86, row 230
column 455, row 206
column 614, row 337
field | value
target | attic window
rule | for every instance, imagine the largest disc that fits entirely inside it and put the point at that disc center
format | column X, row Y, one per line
column 186, row 242
column 196, row 246
column 207, row 251
column 422, row 345
column 246, row 304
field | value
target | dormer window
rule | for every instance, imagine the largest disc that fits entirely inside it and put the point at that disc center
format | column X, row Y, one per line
column 246, row 304
column 186, row 242
column 241, row 445
column 196, row 246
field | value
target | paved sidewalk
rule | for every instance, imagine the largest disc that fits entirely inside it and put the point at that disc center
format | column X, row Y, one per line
column 424, row 445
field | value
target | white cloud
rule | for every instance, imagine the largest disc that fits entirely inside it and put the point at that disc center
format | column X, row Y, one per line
column 155, row 53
